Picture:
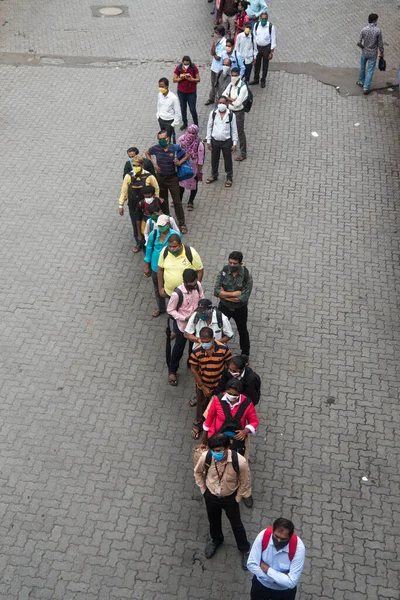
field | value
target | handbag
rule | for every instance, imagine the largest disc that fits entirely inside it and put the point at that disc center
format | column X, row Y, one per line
column 184, row 171
column 382, row 64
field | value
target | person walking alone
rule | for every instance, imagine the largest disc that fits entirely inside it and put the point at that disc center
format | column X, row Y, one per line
column 370, row 42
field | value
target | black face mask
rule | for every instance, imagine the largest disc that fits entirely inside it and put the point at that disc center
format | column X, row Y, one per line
column 279, row 545
column 190, row 288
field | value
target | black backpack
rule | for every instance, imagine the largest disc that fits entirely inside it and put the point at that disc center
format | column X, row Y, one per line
column 232, row 424
column 207, row 463
column 188, row 252
column 248, row 103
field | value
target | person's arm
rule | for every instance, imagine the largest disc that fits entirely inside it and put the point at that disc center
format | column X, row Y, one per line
column 235, row 136
column 255, row 559
column 198, row 473
column 246, row 289
column 127, row 168
column 171, row 308
column 211, row 415
column 196, row 78
column 124, row 194
column 151, row 180
column 252, row 419
column 209, row 129
column 273, row 42
column 227, row 92
column 361, row 39
column 190, row 330
column 200, row 156
column 177, row 113
column 160, row 278
column 184, row 157
column 218, row 285
column 196, row 375
column 149, row 253
column 291, row 579
column 227, row 330
column 241, row 96
column 244, row 489
column 197, row 264
column 221, row 386
column 148, row 153
column 177, row 78
column 380, row 44
column 241, row 64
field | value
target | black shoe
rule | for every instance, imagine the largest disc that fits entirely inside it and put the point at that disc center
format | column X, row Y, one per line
column 245, row 558
column 211, row 548
column 184, row 127
column 366, row 92
column 254, row 82
column 262, row 84
column 248, row 501
column 208, row 102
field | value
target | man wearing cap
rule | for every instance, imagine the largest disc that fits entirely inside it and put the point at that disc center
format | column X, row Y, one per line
column 132, row 190
column 207, row 316
column 157, row 241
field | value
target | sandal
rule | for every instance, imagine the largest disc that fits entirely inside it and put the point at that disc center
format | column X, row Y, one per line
column 193, row 402
column 190, row 207
column 136, row 249
column 156, row 313
column 183, row 229
column 228, row 183
column 240, row 158
column 195, row 433
column 172, row 380
column 211, row 180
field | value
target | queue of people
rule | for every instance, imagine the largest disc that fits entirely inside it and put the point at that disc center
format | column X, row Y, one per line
column 227, row 389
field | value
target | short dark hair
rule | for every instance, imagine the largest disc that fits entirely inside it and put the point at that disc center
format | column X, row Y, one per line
column 235, row 255
column 223, row 98
column 154, row 207
column 230, row 41
column 161, row 132
column 264, row 12
column 189, row 275
column 234, row 383
column 283, row 524
column 240, row 361
column 148, row 189
column 235, row 69
column 220, row 29
column 372, row 18
column 217, row 440
column 133, row 149
column 244, row 3
column 175, row 238
column 164, row 80
column 205, row 331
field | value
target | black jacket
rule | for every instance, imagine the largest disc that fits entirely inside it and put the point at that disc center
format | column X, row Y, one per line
column 249, row 381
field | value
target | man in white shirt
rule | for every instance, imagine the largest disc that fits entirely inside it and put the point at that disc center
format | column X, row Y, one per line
column 246, row 46
column 207, row 316
column 168, row 108
column 217, row 50
column 265, row 39
column 236, row 93
column 222, row 135
column 276, row 561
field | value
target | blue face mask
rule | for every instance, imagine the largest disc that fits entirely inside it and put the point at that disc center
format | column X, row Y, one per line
column 218, row 455
column 207, row 345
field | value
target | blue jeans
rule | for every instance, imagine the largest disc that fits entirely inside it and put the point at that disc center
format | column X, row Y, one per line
column 370, row 64
column 184, row 100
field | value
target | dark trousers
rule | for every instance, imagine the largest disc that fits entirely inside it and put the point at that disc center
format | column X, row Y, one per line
column 215, row 506
column 160, row 301
column 214, row 77
column 226, row 149
column 260, row 592
column 167, row 125
column 242, row 136
column 170, row 183
column 132, row 214
column 193, row 193
column 262, row 57
column 202, row 403
column 178, row 349
column 247, row 71
column 239, row 315
column 184, row 100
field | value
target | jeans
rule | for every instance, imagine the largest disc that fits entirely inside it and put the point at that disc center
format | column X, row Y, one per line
column 370, row 63
column 262, row 57
column 226, row 148
column 178, row 349
column 215, row 505
column 167, row 126
column 184, row 100
column 160, row 301
column 242, row 136
column 171, row 183
column 260, row 592
column 247, row 71
column 239, row 315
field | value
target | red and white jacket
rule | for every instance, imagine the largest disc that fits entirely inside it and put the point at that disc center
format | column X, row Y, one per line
column 216, row 417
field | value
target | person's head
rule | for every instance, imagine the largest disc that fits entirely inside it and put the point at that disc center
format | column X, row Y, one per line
column 186, row 62
column 372, row 18
column 163, row 85
column 220, row 30
column 282, row 531
column 155, row 210
column 233, row 389
column 219, row 444
column 242, row 5
column 264, row 18
column 235, row 74
column 137, row 164
column 175, row 244
column 206, row 338
column 237, row 365
column 222, row 104
column 148, row 192
column 229, row 46
column 163, row 138
column 189, row 277
column 204, row 310
column 163, row 223
column 247, row 30
column 132, row 151
column 235, row 260
column 193, row 130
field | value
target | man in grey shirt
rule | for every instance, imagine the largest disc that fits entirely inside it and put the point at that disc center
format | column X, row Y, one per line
column 370, row 42
column 222, row 135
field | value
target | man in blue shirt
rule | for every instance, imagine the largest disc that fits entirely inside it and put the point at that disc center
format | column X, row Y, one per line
column 276, row 560
column 236, row 58
column 255, row 8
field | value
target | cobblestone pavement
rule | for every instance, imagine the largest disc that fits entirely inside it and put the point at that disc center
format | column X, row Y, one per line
column 98, row 500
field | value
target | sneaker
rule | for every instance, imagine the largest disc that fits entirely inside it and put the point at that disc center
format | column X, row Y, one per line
column 245, row 558
column 254, row 82
column 262, row 84
column 359, row 84
column 211, row 548
column 184, row 127
column 366, row 92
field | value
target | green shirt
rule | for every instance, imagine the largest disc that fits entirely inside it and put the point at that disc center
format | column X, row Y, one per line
column 233, row 283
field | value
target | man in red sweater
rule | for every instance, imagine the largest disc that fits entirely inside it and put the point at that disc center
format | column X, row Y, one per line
column 233, row 414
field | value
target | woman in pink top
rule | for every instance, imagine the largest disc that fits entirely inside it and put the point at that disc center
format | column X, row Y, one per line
column 194, row 147
column 241, row 18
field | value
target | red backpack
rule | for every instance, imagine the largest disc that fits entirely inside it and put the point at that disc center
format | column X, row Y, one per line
column 292, row 542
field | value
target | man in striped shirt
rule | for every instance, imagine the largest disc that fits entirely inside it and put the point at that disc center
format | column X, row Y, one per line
column 207, row 363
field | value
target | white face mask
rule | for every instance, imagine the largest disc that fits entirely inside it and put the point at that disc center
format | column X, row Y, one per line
column 235, row 78
column 185, row 67
column 225, row 69
column 231, row 397
column 222, row 107
column 148, row 200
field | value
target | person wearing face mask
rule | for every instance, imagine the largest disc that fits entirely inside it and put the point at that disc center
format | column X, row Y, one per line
column 207, row 363
column 156, row 211
column 233, row 288
column 234, row 56
column 223, row 77
column 169, row 156
column 217, row 49
column 224, row 479
column 143, row 208
column 207, row 316
column 222, row 136
column 187, row 76
column 233, row 414
column 147, row 164
column 168, row 108
column 132, row 190
column 183, row 302
column 277, row 561
column 246, row 46
column 236, row 93
column 254, row 10
column 157, row 241
column 265, row 38
column 172, row 263
column 250, row 380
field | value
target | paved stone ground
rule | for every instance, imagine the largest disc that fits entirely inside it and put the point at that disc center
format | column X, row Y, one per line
column 98, row 500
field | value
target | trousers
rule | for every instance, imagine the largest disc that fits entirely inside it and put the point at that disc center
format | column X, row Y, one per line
column 132, row 214
column 178, row 349
column 239, row 315
column 186, row 99
column 170, row 183
column 260, row 592
column 215, row 505
column 262, row 57
column 167, row 126
column 368, row 63
column 160, row 301
column 226, row 148
column 193, row 193
column 214, row 77
column 242, row 136
column 247, row 71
